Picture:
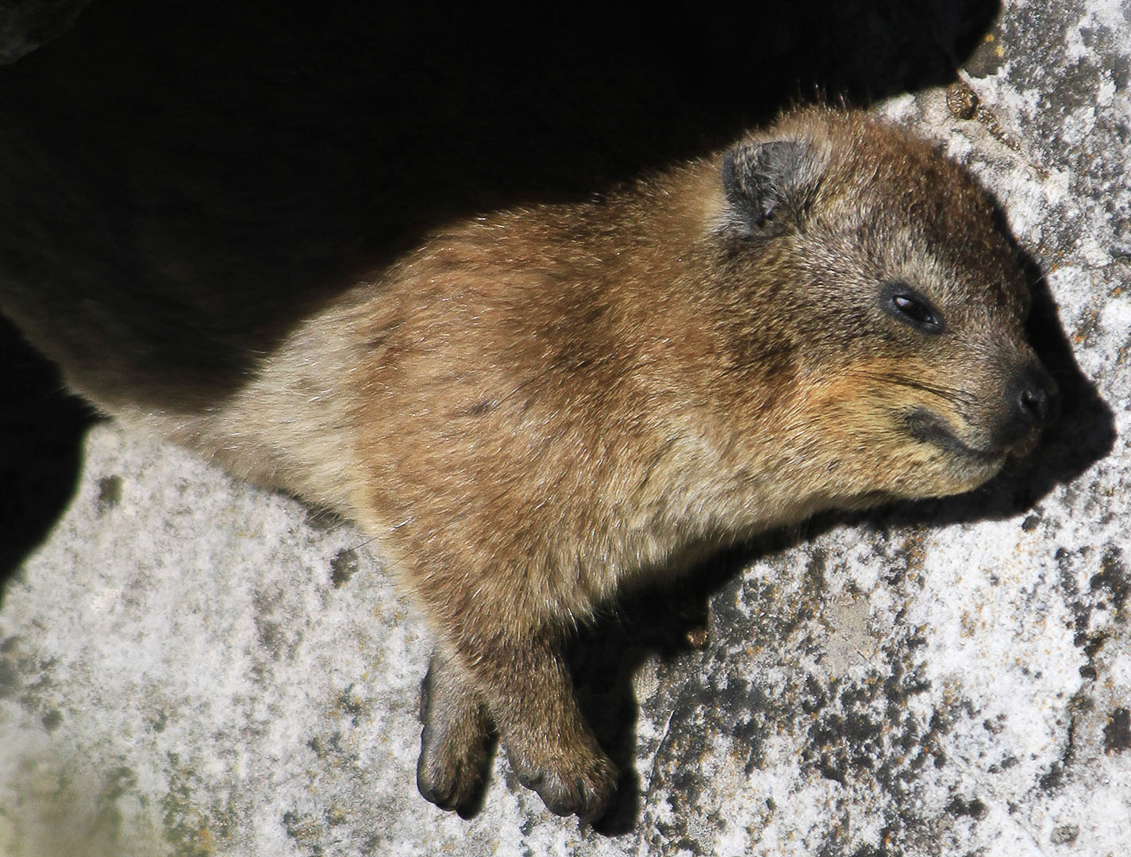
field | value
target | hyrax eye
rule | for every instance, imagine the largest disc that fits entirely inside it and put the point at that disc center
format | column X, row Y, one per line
column 902, row 302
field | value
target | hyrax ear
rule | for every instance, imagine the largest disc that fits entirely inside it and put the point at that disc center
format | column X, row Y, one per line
column 768, row 185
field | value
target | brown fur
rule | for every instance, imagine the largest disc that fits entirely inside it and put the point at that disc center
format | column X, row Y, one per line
column 540, row 406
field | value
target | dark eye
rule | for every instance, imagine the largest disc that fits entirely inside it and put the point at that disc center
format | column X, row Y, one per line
column 901, row 301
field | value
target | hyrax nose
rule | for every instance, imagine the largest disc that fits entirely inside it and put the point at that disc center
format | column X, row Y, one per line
column 1032, row 396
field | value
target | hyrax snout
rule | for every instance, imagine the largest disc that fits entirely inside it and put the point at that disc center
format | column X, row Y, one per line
column 541, row 406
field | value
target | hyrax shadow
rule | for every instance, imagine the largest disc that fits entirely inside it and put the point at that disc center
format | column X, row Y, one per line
column 541, row 407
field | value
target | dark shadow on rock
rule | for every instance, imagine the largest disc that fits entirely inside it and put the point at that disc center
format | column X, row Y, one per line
column 472, row 809
column 41, row 432
column 26, row 24
column 667, row 621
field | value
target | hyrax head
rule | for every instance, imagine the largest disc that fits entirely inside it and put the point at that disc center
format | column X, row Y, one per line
column 880, row 290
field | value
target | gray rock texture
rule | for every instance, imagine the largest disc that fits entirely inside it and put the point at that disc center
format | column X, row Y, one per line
column 192, row 666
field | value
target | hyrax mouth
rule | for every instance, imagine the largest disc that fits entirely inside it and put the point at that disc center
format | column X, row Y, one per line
column 1030, row 404
column 928, row 427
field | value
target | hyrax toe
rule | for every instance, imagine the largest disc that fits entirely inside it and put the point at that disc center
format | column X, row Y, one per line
column 583, row 785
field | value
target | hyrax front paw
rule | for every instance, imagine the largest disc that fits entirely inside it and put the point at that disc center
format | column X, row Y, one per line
column 453, row 743
column 581, row 782
column 548, row 742
column 525, row 688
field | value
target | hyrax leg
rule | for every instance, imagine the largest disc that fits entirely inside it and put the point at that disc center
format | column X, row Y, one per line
column 528, row 693
column 453, row 744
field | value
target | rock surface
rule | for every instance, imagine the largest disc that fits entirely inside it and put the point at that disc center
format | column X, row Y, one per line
column 192, row 666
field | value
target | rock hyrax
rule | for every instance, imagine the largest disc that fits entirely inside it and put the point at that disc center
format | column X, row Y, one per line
column 541, row 406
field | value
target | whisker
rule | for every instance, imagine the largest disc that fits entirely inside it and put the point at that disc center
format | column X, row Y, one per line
column 957, row 397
